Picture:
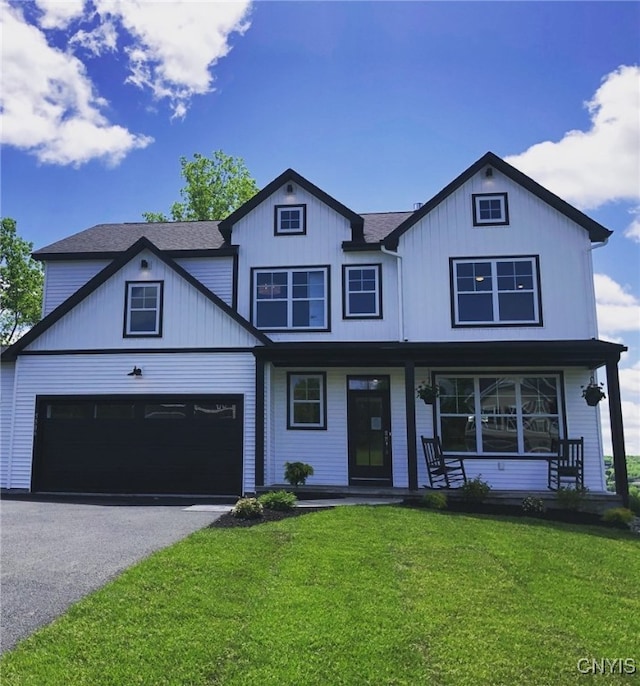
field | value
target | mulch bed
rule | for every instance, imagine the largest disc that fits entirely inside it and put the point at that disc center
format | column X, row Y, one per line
column 228, row 521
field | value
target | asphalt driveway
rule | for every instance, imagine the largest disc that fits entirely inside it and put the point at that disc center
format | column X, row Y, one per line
column 54, row 553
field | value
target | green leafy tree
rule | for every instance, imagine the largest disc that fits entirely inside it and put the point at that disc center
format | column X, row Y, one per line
column 215, row 187
column 21, row 282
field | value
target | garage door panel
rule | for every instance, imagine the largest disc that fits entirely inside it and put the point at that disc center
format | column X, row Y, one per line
column 142, row 445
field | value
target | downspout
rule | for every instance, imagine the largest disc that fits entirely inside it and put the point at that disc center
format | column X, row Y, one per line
column 398, row 257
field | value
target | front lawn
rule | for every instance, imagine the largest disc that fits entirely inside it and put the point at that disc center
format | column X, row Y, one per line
column 355, row 595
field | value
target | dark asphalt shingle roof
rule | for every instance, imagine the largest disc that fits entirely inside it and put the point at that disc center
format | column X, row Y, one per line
column 178, row 236
column 115, row 238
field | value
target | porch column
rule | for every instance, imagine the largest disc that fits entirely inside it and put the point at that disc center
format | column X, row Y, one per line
column 617, row 432
column 259, row 430
column 410, row 403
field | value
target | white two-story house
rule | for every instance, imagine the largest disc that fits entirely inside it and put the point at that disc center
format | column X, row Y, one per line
column 198, row 358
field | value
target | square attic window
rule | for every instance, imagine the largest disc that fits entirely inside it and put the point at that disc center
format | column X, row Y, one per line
column 290, row 220
column 490, row 209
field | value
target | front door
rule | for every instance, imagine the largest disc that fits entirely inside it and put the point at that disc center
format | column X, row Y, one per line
column 369, row 422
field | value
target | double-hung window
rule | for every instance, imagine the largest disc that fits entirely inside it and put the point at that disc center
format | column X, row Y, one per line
column 307, row 400
column 496, row 291
column 291, row 298
column 490, row 414
column 361, row 291
column 490, row 209
column 143, row 308
column 290, row 220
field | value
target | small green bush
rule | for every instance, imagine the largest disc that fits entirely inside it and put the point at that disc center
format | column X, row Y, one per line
column 634, row 499
column 571, row 498
column 247, row 508
column 533, row 506
column 296, row 473
column 475, row 490
column 434, row 500
column 278, row 500
column 618, row 516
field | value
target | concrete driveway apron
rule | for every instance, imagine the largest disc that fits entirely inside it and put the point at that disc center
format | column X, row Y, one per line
column 54, row 553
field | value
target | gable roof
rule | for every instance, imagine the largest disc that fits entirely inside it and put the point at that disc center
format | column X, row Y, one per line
column 101, row 277
column 107, row 241
column 226, row 225
column 596, row 231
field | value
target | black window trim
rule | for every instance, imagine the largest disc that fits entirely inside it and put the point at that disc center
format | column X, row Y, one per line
column 510, row 373
column 505, row 204
column 495, row 324
column 277, row 231
column 125, row 326
column 345, row 292
column 313, row 267
column 323, row 402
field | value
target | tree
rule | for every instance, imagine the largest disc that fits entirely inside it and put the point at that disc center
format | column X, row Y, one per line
column 214, row 188
column 21, row 282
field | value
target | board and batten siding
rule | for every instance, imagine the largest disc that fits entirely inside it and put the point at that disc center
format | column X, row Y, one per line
column 189, row 318
column 7, row 376
column 62, row 278
column 327, row 450
column 215, row 273
column 535, row 228
column 326, row 230
column 163, row 373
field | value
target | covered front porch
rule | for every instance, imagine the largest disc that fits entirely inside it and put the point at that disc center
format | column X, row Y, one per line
column 582, row 356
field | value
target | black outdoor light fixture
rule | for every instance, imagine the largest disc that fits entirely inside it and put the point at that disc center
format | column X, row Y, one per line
column 136, row 371
column 489, row 172
column 144, row 264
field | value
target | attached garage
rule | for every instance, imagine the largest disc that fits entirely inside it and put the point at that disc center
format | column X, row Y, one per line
column 139, row 444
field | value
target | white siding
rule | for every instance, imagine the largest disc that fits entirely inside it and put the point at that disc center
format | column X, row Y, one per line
column 215, row 273
column 568, row 301
column 321, row 246
column 7, row 376
column 107, row 374
column 189, row 318
column 63, row 278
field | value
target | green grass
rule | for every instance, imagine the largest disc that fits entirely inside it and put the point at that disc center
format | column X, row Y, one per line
column 354, row 595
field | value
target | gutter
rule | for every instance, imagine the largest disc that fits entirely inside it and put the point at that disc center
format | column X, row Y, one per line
column 398, row 257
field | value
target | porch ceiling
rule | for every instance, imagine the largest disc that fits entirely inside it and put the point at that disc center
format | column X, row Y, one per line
column 591, row 354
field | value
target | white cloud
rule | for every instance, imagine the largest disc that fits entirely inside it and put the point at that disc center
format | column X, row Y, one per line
column 104, row 38
column 48, row 104
column 633, row 230
column 57, row 14
column 618, row 309
column 176, row 43
column 590, row 168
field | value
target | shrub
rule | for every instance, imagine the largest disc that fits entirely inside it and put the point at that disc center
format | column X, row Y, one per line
column 571, row 498
column 618, row 516
column 278, row 500
column 634, row 499
column 296, row 473
column 247, row 508
column 533, row 506
column 475, row 490
column 434, row 500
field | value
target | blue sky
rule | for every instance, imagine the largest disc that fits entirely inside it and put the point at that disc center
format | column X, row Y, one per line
column 381, row 104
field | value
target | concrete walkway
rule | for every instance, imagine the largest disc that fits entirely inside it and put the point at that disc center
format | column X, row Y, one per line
column 322, row 502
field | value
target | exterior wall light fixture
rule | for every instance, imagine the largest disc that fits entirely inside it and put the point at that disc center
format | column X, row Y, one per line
column 136, row 371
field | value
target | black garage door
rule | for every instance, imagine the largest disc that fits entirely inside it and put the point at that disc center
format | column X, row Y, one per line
column 155, row 444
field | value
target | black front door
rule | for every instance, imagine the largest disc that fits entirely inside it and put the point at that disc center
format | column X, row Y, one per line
column 369, row 422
